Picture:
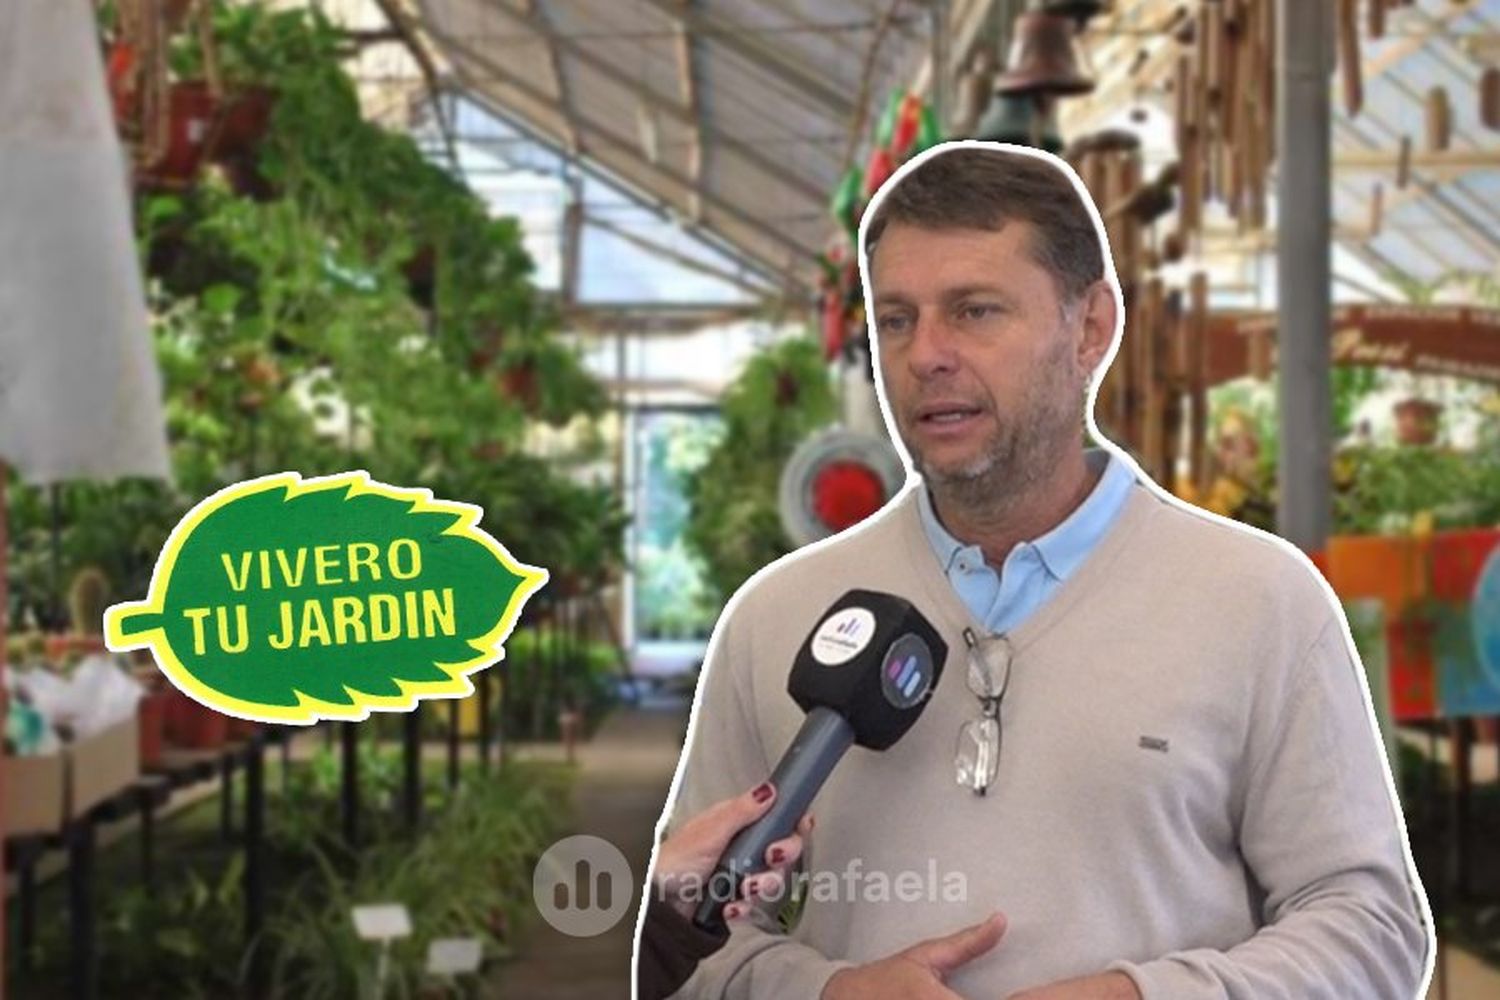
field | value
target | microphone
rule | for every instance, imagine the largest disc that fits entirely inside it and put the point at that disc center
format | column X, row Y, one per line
column 863, row 676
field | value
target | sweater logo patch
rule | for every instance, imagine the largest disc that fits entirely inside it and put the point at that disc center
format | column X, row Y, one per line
column 1153, row 743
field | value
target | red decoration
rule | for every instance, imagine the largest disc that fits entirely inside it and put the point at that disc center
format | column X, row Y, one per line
column 1413, row 670
column 878, row 170
column 908, row 125
column 845, row 493
column 1457, row 559
column 834, row 328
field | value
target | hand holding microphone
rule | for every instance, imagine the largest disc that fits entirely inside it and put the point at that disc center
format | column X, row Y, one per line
column 863, row 676
column 686, row 858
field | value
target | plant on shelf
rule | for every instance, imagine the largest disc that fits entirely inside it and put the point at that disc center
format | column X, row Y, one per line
column 468, row 875
column 783, row 394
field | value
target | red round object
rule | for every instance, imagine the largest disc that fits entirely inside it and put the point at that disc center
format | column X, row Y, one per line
column 845, row 493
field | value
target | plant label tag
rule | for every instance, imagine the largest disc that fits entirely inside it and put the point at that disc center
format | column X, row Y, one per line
column 381, row 921
column 454, row 956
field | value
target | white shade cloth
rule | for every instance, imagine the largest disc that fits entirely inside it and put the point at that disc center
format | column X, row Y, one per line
column 80, row 395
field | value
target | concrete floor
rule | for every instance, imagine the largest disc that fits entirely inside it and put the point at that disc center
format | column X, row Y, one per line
column 624, row 775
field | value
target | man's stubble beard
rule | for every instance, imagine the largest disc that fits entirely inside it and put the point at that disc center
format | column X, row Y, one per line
column 1018, row 458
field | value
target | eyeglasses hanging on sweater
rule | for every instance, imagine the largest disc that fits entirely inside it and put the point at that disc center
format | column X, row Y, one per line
column 977, row 756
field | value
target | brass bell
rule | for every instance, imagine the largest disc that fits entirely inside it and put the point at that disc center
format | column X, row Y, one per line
column 1080, row 12
column 1043, row 59
column 1019, row 119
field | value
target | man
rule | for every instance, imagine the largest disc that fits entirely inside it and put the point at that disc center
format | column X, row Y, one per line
column 1189, row 799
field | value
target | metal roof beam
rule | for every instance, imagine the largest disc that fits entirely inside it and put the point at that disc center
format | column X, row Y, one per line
column 757, row 52
column 671, row 109
column 687, row 82
column 628, row 148
column 534, row 9
column 776, row 274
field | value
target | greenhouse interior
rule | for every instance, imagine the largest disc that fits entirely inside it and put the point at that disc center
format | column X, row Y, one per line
column 584, row 281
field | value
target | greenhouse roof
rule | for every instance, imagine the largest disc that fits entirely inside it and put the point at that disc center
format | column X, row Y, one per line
column 740, row 116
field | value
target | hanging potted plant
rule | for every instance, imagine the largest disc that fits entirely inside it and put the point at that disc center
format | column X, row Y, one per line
column 1417, row 421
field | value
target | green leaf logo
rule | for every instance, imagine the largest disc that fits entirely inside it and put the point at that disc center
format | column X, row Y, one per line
column 283, row 599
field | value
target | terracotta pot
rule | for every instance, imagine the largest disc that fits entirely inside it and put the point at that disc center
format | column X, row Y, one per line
column 1417, row 421
column 520, row 383
column 240, row 729
column 192, row 112
column 246, row 118
column 195, row 726
column 151, row 716
column 421, row 276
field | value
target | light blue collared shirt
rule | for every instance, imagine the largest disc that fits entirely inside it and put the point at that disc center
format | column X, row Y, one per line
column 1034, row 570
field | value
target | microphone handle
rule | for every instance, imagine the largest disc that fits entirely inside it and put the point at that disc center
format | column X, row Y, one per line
column 814, row 751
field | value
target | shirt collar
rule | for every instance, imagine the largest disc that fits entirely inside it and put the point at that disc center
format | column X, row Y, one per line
column 1064, row 547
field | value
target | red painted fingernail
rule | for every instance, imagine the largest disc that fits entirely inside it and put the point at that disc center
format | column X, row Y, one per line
column 762, row 791
column 777, row 855
column 733, row 911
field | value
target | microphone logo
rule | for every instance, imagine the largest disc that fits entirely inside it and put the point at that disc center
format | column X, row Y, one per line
column 842, row 636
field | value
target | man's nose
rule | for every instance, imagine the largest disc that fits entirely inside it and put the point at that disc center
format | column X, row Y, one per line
column 934, row 348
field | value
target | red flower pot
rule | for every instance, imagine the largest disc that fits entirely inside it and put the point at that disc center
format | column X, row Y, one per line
column 192, row 112
column 1417, row 421
column 195, row 726
column 151, row 716
column 245, row 121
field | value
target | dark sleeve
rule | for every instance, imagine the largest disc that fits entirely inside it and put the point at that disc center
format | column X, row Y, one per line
column 671, row 948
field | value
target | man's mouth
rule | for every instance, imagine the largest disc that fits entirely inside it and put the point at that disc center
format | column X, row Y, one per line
column 946, row 414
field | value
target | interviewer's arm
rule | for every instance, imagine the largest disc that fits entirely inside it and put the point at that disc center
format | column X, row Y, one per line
column 724, row 757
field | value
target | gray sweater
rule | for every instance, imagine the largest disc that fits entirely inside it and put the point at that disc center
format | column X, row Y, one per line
column 1191, row 789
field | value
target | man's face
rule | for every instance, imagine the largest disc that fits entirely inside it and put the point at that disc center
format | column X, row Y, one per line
column 982, row 370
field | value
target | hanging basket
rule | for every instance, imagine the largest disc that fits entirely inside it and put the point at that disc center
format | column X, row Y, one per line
column 192, row 114
column 1417, row 421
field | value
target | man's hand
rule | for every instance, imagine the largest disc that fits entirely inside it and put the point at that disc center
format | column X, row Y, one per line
column 918, row 972
column 1107, row 986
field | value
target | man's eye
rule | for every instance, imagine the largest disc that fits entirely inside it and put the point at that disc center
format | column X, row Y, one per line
column 890, row 324
column 977, row 310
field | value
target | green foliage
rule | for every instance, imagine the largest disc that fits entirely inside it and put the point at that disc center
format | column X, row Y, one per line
column 546, row 672
column 468, row 875
column 183, row 940
column 1389, row 486
column 783, row 395
column 288, row 336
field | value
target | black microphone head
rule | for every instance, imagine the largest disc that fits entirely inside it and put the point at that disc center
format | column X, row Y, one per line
column 874, row 659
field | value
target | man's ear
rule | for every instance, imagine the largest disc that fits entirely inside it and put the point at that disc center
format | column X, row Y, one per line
column 1097, row 314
